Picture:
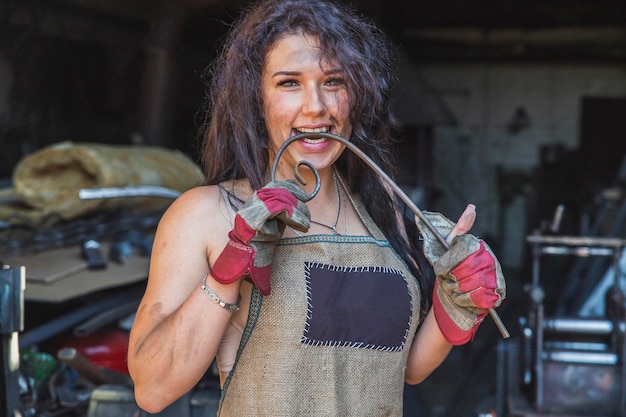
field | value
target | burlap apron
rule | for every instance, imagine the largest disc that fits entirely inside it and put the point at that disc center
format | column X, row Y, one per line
column 333, row 337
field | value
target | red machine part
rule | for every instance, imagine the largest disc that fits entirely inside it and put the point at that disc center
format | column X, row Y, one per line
column 106, row 347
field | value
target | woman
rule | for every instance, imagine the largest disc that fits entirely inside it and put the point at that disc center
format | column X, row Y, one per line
column 311, row 307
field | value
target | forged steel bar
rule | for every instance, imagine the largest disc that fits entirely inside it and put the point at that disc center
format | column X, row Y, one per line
column 130, row 191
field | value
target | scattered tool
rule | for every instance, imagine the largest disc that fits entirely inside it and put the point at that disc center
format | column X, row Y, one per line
column 92, row 253
column 89, row 370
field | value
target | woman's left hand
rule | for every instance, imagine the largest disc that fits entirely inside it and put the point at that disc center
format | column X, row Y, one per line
column 469, row 277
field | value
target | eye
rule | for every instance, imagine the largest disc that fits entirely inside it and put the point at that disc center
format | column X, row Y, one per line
column 287, row 83
column 336, row 82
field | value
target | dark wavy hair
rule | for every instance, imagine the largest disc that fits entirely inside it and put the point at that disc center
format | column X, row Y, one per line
column 235, row 136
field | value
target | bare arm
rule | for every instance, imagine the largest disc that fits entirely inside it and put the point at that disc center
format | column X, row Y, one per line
column 177, row 329
column 428, row 351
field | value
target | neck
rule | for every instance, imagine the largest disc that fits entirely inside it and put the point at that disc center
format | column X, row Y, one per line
column 328, row 213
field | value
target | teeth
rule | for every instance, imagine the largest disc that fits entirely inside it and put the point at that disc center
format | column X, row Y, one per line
column 325, row 129
column 318, row 140
column 316, row 130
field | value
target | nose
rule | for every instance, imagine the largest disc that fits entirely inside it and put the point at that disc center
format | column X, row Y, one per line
column 314, row 101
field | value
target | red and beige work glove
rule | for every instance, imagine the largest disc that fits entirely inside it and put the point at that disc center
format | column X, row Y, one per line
column 469, row 280
column 259, row 225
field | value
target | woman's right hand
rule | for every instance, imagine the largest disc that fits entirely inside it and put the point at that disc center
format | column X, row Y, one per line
column 259, row 225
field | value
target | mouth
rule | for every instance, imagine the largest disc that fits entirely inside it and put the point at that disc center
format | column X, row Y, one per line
column 312, row 131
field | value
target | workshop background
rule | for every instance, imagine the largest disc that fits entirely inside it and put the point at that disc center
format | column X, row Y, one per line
column 518, row 107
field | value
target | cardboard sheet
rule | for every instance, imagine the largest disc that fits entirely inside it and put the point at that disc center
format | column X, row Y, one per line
column 51, row 265
column 61, row 274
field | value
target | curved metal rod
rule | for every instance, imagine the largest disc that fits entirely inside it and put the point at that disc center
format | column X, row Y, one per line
column 386, row 179
column 371, row 164
column 318, row 180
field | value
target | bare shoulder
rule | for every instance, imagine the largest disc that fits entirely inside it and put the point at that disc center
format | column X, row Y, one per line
column 198, row 220
column 201, row 208
column 192, row 231
column 211, row 197
column 204, row 197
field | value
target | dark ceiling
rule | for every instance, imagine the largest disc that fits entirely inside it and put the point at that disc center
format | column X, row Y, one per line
column 408, row 14
column 97, row 70
column 428, row 29
column 499, row 13
column 504, row 29
column 434, row 29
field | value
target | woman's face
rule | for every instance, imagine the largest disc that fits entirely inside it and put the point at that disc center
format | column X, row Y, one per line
column 302, row 94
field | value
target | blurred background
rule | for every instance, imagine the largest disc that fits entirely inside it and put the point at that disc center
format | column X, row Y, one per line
column 518, row 107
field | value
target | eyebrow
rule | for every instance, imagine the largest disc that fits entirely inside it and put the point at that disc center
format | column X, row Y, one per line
column 296, row 73
column 292, row 73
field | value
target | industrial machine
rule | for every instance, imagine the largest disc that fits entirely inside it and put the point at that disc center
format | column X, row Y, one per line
column 570, row 363
column 12, row 282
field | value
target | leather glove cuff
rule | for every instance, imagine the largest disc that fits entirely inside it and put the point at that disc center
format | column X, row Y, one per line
column 457, row 325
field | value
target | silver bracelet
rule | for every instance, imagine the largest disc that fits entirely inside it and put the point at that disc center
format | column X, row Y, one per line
column 213, row 297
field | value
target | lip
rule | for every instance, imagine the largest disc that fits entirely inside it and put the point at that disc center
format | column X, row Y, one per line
column 315, row 144
column 311, row 142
